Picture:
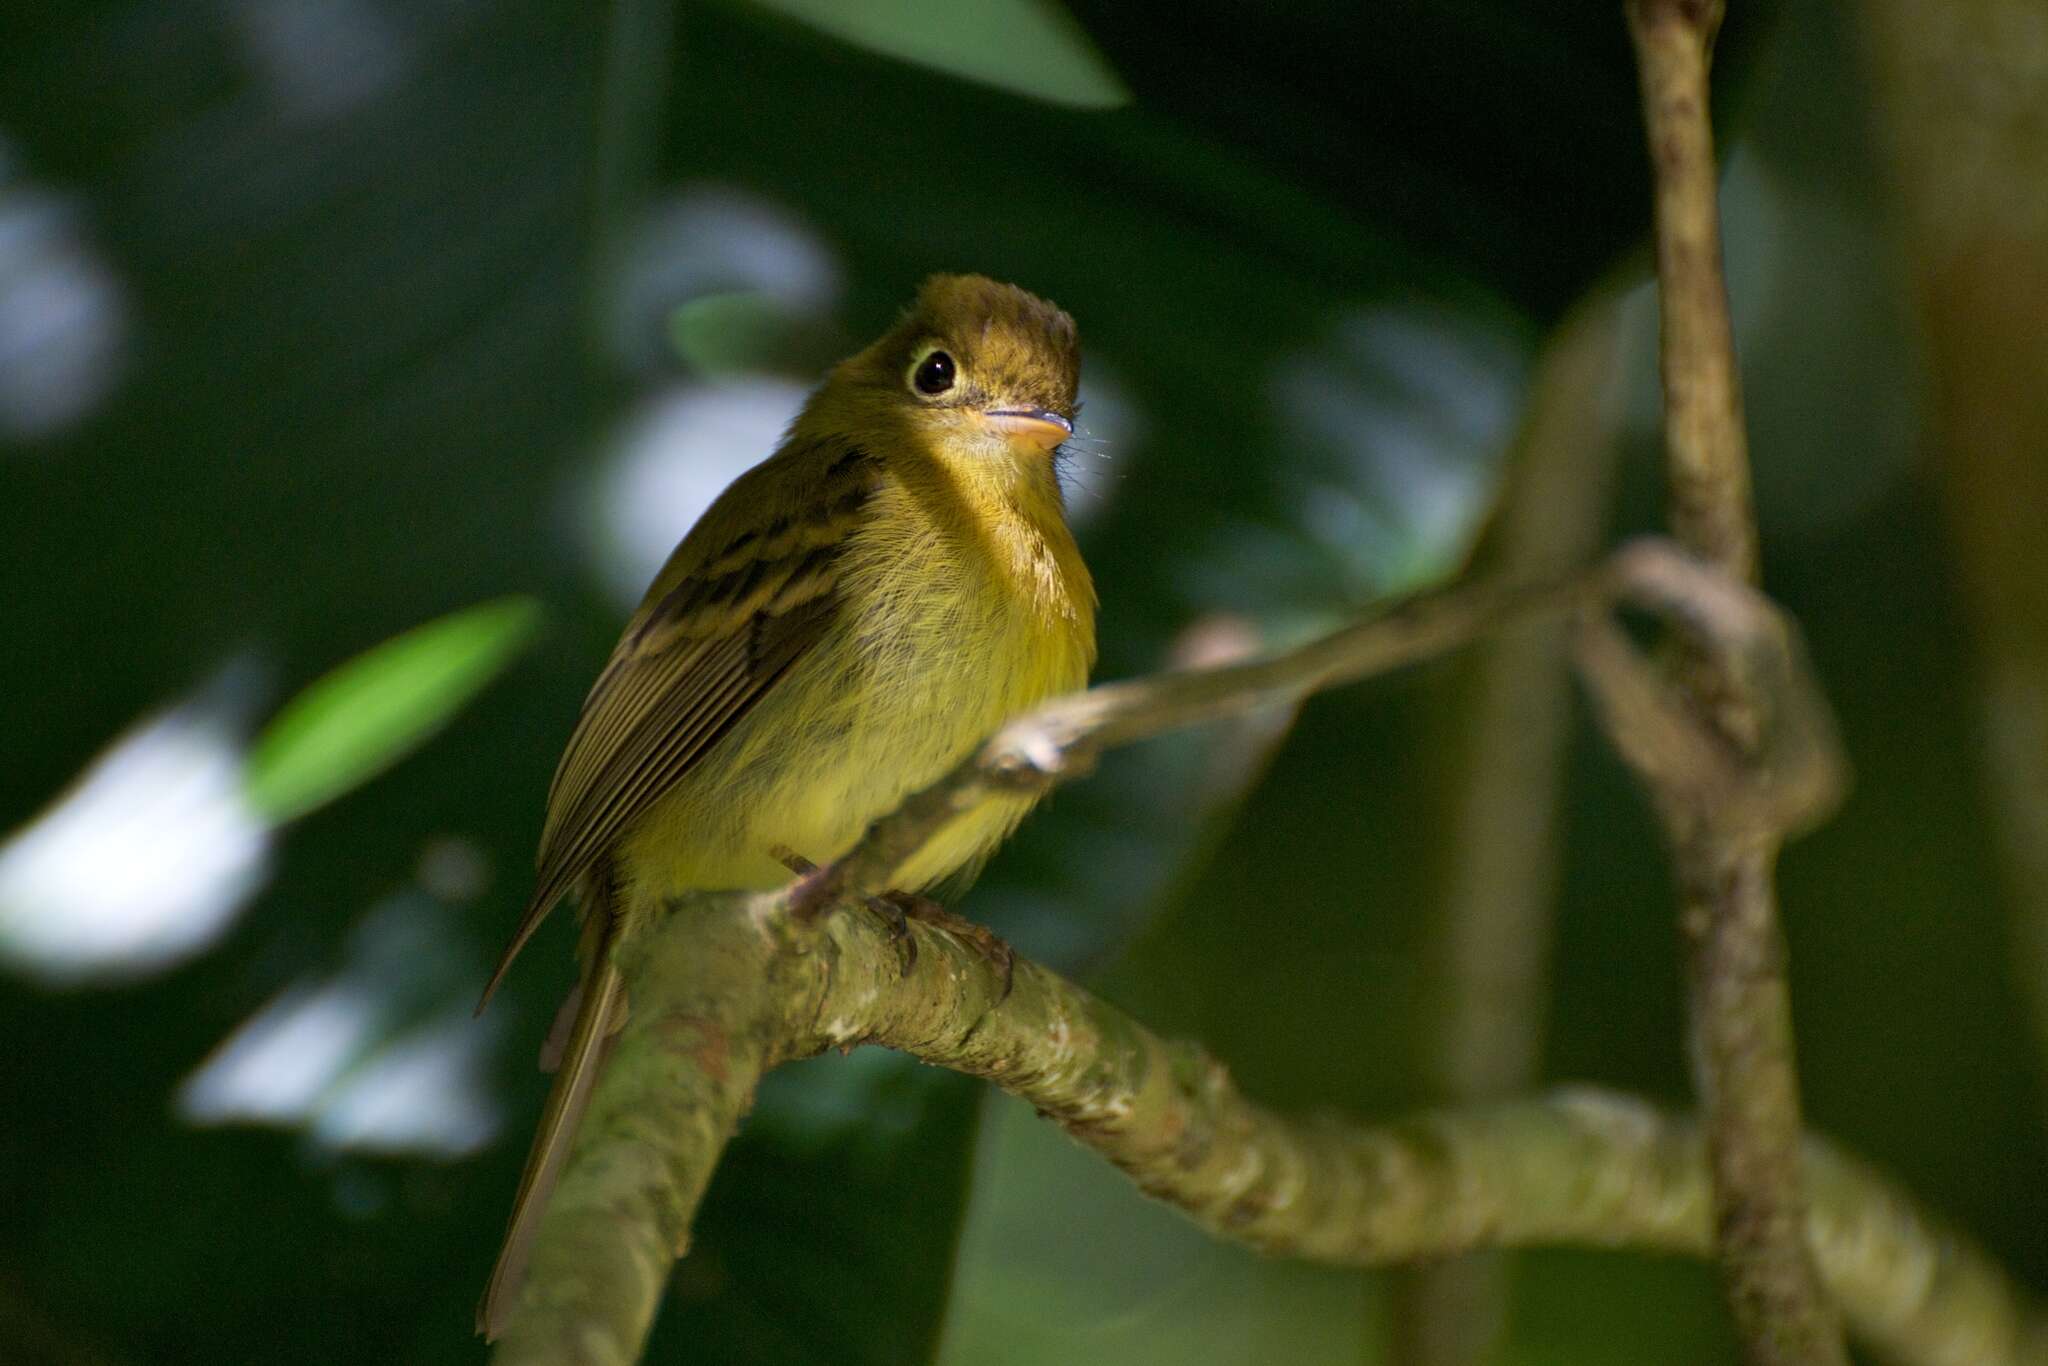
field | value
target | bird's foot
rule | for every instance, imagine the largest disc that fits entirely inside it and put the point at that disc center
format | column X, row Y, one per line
column 985, row 940
column 892, row 914
column 896, row 917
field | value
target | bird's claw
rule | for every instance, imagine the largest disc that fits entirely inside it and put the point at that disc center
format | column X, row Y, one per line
column 896, row 916
column 991, row 946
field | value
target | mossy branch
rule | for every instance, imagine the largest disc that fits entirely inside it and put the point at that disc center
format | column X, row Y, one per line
column 729, row 987
column 726, row 987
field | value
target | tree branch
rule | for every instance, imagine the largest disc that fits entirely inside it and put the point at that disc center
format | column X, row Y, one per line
column 717, row 1001
column 1740, row 1010
column 726, row 987
column 1706, row 448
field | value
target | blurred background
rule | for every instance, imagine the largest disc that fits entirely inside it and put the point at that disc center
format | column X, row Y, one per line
column 359, row 361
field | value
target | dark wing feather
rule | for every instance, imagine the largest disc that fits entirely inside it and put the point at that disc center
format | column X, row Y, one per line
column 717, row 632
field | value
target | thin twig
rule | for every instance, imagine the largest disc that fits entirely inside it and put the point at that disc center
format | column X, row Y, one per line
column 1707, row 448
column 716, row 1003
column 1739, row 1008
column 1063, row 739
column 1793, row 772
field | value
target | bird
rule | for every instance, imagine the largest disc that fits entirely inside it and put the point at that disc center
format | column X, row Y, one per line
column 842, row 626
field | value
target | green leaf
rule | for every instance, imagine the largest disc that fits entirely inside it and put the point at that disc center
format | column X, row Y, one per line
column 364, row 716
column 733, row 331
column 1032, row 47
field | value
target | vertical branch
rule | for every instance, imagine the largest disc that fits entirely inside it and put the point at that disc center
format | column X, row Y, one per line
column 1739, row 1007
column 1706, row 446
column 1513, row 716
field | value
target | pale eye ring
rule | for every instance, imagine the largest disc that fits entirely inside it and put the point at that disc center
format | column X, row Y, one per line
column 933, row 374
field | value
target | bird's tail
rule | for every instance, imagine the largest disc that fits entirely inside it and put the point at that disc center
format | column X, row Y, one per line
column 600, row 1009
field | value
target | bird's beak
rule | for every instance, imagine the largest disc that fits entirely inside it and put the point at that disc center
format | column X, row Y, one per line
column 1037, row 427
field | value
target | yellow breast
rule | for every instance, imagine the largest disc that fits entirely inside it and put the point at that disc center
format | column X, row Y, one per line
column 948, row 626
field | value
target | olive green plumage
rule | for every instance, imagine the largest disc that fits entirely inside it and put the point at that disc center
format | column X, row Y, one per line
column 840, row 628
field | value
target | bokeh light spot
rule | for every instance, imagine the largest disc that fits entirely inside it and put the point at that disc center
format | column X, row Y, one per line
column 144, row 862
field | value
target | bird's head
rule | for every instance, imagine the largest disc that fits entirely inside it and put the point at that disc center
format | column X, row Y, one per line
column 976, row 371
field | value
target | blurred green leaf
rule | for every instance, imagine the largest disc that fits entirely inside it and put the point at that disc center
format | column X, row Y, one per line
column 1033, row 47
column 364, row 716
column 734, row 330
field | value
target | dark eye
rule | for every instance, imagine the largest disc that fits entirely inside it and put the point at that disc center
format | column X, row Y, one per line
column 933, row 375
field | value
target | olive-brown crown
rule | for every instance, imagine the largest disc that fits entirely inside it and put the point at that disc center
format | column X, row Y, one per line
column 1007, row 348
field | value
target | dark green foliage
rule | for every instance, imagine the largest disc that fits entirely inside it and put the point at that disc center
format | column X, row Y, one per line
column 372, row 363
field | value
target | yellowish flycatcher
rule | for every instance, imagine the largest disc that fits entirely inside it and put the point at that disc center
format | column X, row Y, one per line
column 841, row 627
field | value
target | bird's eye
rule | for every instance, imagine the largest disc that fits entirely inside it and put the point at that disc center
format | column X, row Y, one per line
column 933, row 375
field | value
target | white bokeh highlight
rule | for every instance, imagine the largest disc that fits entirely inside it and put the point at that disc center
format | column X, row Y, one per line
column 144, row 862
column 706, row 240
column 63, row 314
column 373, row 1058
column 674, row 455
column 1406, row 411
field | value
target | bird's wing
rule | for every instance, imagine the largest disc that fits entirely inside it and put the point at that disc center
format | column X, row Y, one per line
column 750, row 589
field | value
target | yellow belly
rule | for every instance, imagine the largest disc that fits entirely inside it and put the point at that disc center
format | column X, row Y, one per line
column 916, row 671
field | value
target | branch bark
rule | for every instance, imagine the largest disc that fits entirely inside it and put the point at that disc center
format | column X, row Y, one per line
column 730, row 986
column 1739, row 1007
